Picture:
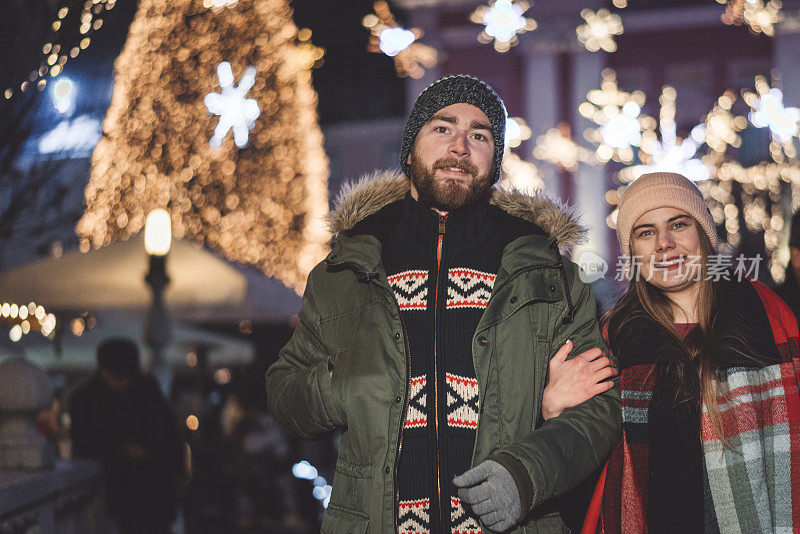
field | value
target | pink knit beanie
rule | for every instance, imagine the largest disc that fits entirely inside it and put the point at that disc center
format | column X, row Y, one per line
column 661, row 190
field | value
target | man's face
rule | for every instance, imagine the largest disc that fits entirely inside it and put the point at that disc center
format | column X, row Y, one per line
column 452, row 160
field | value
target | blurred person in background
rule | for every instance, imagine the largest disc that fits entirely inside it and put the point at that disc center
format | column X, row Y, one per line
column 121, row 418
column 260, row 490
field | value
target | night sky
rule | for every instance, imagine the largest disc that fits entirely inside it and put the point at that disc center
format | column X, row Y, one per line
column 352, row 84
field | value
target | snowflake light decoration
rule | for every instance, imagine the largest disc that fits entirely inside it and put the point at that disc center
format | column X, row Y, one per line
column 760, row 17
column 618, row 115
column 768, row 111
column 721, row 126
column 520, row 174
column 411, row 57
column 235, row 112
column 670, row 154
column 503, row 21
column 517, row 131
column 599, row 30
column 557, row 147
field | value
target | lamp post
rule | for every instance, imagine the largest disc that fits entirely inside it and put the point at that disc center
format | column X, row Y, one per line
column 157, row 240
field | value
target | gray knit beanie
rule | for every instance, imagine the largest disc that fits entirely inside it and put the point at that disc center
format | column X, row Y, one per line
column 452, row 90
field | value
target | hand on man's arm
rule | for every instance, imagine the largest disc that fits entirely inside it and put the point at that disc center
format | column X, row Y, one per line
column 573, row 381
column 568, row 448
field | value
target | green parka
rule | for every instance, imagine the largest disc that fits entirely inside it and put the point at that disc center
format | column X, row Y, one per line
column 346, row 364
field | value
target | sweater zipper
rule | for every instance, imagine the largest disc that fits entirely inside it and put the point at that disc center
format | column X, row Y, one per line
column 442, row 221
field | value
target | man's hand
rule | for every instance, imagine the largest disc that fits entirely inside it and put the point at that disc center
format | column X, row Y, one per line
column 492, row 494
column 574, row 381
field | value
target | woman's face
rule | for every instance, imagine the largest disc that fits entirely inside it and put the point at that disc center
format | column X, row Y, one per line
column 665, row 243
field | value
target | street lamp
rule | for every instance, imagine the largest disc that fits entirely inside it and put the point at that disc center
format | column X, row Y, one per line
column 157, row 240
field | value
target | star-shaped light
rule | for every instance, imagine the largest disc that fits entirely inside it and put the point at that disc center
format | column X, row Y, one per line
column 411, row 57
column 721, row 125
column 235, row 112
column 599, row 30
column 759, row 16
column 557, row 147
column 503, row 21
column 669, row 154
column 618, row 114
column 768, row 111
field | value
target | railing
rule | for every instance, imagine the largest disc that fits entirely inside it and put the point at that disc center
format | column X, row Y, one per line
column 63, row 500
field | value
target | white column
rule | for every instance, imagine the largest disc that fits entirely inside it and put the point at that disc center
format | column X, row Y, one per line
column 590, row 182
column 785, row 45
column 541, row 105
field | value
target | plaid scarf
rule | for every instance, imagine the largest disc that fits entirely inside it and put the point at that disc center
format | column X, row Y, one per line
column 753, row 486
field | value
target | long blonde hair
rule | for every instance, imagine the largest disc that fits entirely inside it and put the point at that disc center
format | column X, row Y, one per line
column 699, row 343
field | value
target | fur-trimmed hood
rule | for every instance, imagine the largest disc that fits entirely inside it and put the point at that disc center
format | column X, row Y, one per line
column 360, row 199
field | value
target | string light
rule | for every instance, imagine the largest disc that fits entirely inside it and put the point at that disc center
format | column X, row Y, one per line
column 768, row 110
column 557, row 147
column 263, row 205
column 310, row 55
column 503, row 20
column 599, row 30
column 757, row 197
column 618, row 114
column 411, row 57
column 760, row 17
column 721, row 126
column 54, row 54
column 670, row 153
column 22, row 319
column 516, row 173
column 219, row 5
column 520, row 174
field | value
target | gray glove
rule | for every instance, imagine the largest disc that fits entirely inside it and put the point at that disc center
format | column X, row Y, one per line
column 492, row 494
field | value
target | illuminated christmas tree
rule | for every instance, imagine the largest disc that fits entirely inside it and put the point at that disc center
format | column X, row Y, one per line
column 189, row 71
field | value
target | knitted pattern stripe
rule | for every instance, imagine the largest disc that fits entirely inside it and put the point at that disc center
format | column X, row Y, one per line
column 441, row 304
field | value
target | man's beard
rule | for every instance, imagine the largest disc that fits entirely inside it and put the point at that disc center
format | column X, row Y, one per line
column 446, row 195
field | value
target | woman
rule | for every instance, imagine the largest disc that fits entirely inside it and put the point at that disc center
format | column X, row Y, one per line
column 708, row 360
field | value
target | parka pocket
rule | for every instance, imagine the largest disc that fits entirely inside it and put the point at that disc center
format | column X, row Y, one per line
column 338, row 381
column 340, row 521
column 350, row 495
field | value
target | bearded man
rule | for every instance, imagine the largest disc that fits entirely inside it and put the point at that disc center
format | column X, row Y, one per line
column 426, row 335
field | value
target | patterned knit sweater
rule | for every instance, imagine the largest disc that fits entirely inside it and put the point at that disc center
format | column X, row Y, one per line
column 442, row 270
